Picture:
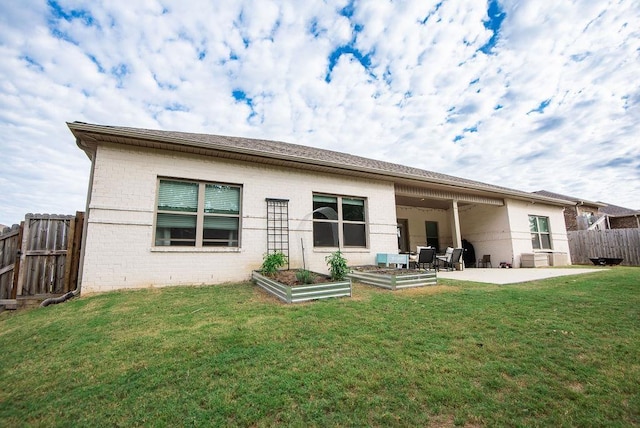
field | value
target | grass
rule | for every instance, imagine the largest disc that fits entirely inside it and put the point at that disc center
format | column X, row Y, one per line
column 558, row 352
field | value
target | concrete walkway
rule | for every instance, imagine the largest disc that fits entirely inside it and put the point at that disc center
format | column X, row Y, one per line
column 511, row 276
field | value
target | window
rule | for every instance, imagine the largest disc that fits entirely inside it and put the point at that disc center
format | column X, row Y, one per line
column 540, row 235
column 432, row 234
column 590, row 218
column 197, row 214
column 339, row 221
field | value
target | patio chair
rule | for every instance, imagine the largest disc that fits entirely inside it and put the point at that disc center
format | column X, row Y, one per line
column 427, row 257
column 450, row 258
column 444, row 258
column 420, row 248
column 485, row 261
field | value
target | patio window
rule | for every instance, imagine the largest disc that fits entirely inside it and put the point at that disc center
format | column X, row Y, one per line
column 432, row 234
column 197, row 214
column 339, row 221
column 540, row 234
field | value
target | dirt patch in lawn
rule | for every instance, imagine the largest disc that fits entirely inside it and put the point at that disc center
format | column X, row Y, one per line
column 431, row 289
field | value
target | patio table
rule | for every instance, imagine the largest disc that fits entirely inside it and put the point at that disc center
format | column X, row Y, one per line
column 390, row 258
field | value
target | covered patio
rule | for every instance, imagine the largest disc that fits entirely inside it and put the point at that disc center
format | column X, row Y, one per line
column 483, row 219
column 441, row 219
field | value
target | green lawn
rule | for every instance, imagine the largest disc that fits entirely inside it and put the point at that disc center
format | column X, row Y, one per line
column 558, row 352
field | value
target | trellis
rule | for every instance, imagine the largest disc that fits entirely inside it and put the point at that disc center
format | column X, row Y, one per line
column 278, row 226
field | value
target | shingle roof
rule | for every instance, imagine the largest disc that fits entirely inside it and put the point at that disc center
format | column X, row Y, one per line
column 297, row 153
column 612, row 210
column 566, row 197
column 617, row 211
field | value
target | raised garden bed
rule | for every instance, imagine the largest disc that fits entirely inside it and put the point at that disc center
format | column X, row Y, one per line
column 292, row 293
column 393, row 279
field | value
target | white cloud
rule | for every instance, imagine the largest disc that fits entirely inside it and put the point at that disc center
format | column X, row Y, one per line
column 555, row 104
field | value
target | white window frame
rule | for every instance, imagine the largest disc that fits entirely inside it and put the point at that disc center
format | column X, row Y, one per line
column 200, row 214
column 341, row 222
column 539, row 233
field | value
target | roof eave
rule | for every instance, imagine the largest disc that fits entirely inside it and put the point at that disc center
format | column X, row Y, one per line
column 79, row 130
column 590, row 203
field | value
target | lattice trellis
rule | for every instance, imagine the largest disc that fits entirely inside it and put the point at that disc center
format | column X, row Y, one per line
column 278, row 226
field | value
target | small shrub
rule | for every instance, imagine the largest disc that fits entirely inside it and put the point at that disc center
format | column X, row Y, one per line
column 305, row 277
column 272, row 262
column 337, row 266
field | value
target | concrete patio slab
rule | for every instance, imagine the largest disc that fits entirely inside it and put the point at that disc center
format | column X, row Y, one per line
column 511, row 276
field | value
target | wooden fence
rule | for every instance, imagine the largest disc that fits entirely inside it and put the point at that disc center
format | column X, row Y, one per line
column 612, row 243
column 9, row 247
column 40, row 257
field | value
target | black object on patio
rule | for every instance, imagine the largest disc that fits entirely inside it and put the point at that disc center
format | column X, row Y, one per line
column 469, row 254
column 605, row 261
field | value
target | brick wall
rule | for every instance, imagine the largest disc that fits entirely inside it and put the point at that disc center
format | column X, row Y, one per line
column 629, row 222
column 119, row 250
column 570, row 219
column 519, row 213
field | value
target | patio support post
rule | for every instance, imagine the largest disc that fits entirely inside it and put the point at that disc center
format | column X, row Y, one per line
column 455, row 228
column 455, row 224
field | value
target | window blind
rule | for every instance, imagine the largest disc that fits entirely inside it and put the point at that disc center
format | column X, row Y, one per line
column 221, row 199
column 178, row 196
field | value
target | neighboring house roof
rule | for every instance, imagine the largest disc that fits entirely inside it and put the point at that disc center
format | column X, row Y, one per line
column 572, row 199
column 280, row 153
column 605, row 208
column 617, row 211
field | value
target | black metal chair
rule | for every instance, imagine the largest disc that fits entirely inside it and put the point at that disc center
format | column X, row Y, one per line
column 485, row 261
column 427, row 257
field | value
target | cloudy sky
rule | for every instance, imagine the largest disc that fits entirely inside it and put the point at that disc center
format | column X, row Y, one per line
column 520, row 93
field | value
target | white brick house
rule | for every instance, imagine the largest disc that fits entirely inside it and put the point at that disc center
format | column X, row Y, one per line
column 170, row 208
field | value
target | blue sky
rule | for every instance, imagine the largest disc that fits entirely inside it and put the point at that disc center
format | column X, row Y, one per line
column 525, row 94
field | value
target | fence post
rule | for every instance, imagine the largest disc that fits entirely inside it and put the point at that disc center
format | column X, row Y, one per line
column 18, row 262
column 66, row 284
column 24, row 245
column 73, row 249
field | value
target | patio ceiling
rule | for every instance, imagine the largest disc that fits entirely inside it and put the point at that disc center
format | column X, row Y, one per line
column 437, row 204
column 439, row 198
